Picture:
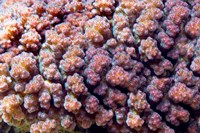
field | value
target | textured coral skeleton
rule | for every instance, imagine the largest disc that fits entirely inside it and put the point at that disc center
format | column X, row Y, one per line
column 116, row 66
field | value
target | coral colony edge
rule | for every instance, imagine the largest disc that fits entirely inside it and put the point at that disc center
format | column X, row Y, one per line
column 109, row 66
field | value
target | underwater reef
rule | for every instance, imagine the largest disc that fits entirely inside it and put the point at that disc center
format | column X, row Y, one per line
column 116, row 66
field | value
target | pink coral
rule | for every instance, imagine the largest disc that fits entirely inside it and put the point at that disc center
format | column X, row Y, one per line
column 75, row 84
column 96, row 65
column 83, row 119
column 193, row 27
column 91, row 104
column 195, row 65
column 44, row 99
column 180, row 93
column 138, row 102
column 134, row 121
column 103, row 116
column 43, row 126
column 72, row 60
column 166, row 41
column 71, row 104
column 120, row 115
column 5, row 79
column 48, row 65
column 177, row 115
column 35, row 85
column 148, row 49
column 31, row 103
column 99, row 63
column 121, row 28
column 23, row 66
column 11, row 110
column 154, row 121
column 118, row 76
column 11, row 28
column 146, row 22
column 68, row 123
column 97, row 30
column 31, row 40
column 105, row 6
column 114, row 97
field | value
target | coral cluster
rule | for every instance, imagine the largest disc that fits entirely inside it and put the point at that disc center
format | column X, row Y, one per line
column 118, row 66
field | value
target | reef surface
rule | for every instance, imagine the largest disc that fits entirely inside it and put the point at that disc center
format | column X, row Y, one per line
column 117, row 66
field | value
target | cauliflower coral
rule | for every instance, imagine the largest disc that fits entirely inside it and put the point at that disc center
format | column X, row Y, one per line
column 116, row 66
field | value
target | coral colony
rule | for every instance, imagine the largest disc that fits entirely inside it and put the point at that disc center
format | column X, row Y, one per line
column 118, row 66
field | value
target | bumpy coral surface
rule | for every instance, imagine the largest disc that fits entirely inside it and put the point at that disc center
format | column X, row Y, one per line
column 117, row 66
